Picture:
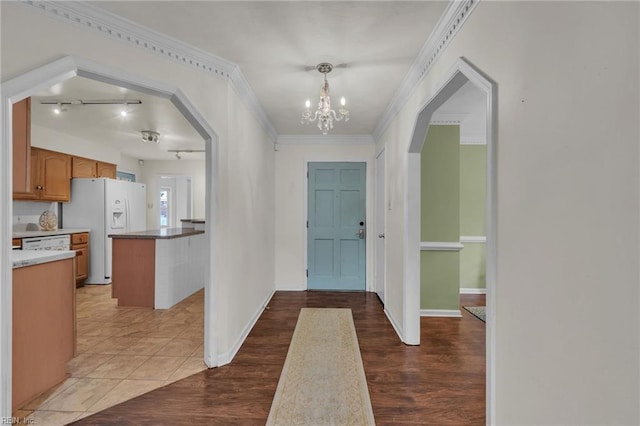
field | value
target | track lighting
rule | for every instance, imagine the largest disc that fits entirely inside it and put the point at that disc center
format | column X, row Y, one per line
column 184, row 151
column 59, row 104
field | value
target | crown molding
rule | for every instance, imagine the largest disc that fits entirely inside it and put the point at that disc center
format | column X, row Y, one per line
column 116, row 27
column 473, row 140
column 325, row 140
column 448, row 25
column 473, row 239
column 448, row 118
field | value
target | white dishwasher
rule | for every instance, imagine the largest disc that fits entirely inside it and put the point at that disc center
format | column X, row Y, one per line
column 52, row 242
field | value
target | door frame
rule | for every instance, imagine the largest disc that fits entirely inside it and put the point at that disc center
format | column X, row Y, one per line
column 369, row 262
column 43, row 77
column 380, row 214
column 462, row 72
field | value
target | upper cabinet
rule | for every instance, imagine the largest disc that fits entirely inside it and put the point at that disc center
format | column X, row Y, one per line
column 106, row 170
column 40, row 174
column 83, row 168
column 88, row 168
column 22, row 187
column 50, row 175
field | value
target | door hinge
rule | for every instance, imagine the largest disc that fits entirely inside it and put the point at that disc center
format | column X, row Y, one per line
column 307, row 273
column 307, row 224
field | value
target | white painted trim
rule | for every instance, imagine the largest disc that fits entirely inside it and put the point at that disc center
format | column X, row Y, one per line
column 440, row 246
column 411, row 258
column 33, row 81
column 473, row 140
column 325, row 140
column 110, row 25
column 471, row 290
column 473, row 239
column 461, row 73
column 227, row 357
column 448, row 313
column 446, row 28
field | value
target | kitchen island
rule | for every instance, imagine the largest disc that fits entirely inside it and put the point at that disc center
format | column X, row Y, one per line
column 157, row 268
column 43, row 321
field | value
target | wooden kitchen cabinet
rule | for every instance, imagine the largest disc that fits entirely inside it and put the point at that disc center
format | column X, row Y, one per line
column 50, row 175
column 83, row 167
column 88, row 168
column 80, row 243
column 106, row 170
column 43, row 328
column 21, row 125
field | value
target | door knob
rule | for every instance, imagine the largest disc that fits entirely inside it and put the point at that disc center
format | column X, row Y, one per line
column 380, row 235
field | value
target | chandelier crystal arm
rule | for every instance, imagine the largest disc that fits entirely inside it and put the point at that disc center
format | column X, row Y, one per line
column 324, row 114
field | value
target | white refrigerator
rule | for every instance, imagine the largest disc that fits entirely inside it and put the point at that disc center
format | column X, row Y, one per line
column 105, row 206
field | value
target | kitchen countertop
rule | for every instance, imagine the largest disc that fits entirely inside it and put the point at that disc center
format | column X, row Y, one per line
column 65, row 231
column 21, row 258
column 156, row 234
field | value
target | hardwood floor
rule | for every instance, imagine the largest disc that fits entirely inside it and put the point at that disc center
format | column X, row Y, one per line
column 442, row 381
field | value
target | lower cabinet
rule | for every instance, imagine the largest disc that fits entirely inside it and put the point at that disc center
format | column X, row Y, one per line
column 80, row 243
column 43, row 329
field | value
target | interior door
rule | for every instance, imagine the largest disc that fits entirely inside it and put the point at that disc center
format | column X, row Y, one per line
column 336, row 226
column 380, row 214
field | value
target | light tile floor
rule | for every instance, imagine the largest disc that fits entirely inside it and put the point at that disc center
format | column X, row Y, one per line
column 121, row 353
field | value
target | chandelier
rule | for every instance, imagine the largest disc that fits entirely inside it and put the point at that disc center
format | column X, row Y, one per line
column 324, row 114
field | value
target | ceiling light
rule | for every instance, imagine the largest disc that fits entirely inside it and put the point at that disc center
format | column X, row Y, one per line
column 150, row 136
column 58, row 109
column 324, row 114
column 123, row 112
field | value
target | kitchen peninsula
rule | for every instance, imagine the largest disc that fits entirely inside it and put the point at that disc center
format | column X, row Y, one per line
column 43, row 327
column 157, row 268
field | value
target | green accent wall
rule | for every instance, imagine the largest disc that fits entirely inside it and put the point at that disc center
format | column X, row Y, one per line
column 440, row 184
column 440, row 217
column 473, row 183
column 473, row 172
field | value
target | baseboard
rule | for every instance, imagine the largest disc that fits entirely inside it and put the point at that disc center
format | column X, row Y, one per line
column 471, row 290
column 227, row 357
column 394, row 324
column 285, row 287
column 450, row 313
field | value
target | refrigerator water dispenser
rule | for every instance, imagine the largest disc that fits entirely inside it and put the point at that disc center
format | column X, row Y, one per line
column 118, row 217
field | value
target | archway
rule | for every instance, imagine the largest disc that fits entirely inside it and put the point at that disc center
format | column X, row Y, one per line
column 461, row 73
column 30, row 83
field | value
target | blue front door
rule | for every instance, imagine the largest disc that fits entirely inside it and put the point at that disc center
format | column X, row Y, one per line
column 336, row 234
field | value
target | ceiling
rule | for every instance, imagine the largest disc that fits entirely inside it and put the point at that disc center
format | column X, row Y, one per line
column 276, row 45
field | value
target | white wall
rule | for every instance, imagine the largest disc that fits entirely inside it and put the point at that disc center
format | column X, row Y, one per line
column 244, row 177
column 567, row 313
column 246, row 218
column 291, row 206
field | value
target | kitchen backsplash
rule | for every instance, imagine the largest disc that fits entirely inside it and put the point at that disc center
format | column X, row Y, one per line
column 26, row 214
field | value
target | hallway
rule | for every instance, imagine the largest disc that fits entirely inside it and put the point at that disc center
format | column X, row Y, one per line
column 440, row 382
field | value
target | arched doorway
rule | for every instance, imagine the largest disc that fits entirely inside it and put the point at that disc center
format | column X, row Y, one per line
column 33, row 81
column 463, row 72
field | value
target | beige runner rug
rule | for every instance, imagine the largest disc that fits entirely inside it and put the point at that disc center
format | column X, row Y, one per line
column 322, row 381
